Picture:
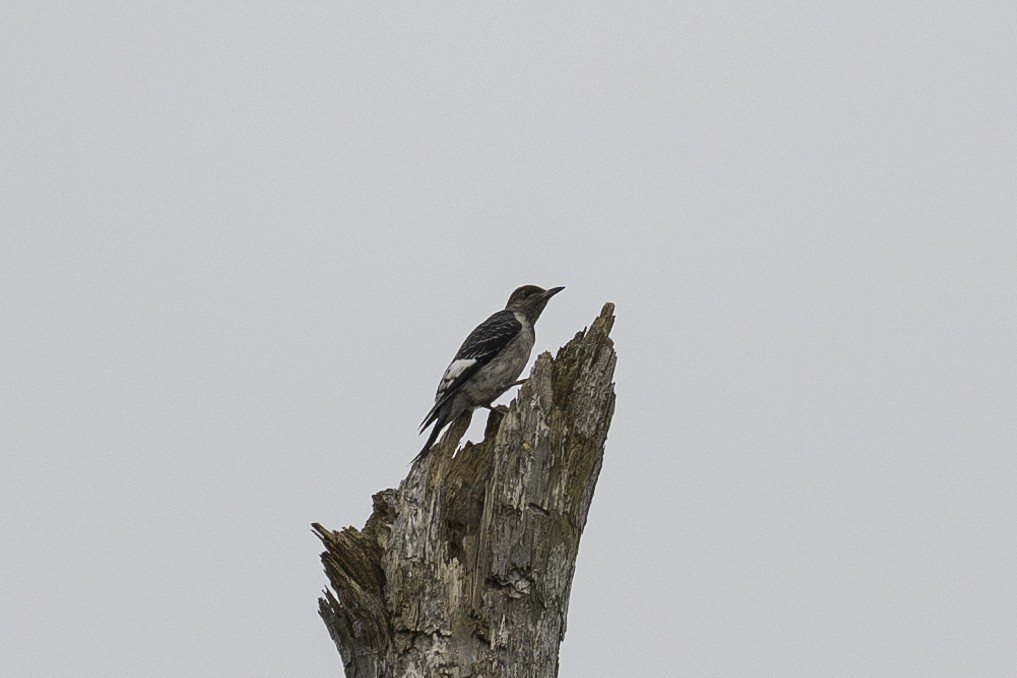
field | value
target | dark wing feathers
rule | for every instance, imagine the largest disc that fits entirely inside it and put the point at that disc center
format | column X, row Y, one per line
column 482, row 344
column 490, row 336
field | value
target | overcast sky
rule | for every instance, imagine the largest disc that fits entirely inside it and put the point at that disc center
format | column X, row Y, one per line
column 240, row 242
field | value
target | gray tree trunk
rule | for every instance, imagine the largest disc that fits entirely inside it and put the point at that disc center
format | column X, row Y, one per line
column 466, row 569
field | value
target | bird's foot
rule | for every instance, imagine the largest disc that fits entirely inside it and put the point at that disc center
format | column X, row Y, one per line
column 500, row 409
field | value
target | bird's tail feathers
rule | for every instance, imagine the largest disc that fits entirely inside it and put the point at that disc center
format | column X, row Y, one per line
column 438, row 425
column 431, row 416
column 438, row 412
column 439, row 416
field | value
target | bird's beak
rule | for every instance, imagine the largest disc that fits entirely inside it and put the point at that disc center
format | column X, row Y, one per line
column 553, row 291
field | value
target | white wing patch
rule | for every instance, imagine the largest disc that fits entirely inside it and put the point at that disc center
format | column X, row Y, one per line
column 454, row 370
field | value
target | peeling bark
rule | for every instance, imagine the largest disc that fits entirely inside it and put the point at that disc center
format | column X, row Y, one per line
column 467, row 568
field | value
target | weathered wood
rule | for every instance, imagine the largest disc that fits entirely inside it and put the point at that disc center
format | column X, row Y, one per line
column 466, row 569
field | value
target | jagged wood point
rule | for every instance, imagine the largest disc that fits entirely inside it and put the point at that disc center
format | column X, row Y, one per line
column 466, row 568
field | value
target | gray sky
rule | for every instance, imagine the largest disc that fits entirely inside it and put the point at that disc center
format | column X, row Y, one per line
column 239, row 243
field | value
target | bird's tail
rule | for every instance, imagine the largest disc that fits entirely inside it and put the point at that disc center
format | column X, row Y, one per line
column 439, row 424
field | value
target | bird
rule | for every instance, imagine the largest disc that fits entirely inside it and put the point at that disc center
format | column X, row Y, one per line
column 490, row 360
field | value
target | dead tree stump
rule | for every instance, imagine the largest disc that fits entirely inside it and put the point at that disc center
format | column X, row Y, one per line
column 466, row 569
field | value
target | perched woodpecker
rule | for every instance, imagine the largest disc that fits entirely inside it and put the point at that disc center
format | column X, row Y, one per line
column 489, row 361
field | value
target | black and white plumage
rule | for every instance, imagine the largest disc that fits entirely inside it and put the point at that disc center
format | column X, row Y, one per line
column 489, row 361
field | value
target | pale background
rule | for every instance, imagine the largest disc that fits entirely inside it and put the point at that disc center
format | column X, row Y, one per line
column 241, row 241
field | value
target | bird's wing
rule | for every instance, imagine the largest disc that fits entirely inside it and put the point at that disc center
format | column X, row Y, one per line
column 480, row 347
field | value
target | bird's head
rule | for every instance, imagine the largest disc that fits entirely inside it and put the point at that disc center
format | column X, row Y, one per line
column 530, row 300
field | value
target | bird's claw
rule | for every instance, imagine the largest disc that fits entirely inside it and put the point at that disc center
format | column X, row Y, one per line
column 500, row 409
